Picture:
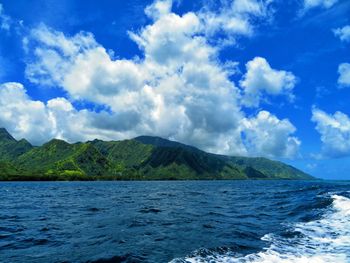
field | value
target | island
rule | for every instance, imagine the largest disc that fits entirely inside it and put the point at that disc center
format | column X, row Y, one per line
column 141, row 158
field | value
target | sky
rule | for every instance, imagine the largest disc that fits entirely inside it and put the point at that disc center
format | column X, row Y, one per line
column 266, row 78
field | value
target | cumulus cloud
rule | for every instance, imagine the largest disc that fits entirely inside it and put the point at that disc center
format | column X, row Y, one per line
column 309, row 4
column 178, row 90
column 344, row 75
column 21, row 115
column 260, row 80
column 158, row 9
column 343, row 33
column 54, row 54
column 235, row 18
column 39, row 122
column 335, row 133
column 269, row 136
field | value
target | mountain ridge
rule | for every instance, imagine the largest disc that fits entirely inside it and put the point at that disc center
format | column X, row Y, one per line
column 141, row 158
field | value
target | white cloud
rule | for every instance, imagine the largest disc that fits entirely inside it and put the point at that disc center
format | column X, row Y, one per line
column 158, row 9
column 344, row 75
column 260, row 79
column 39, row 122
column 251, row 7
column 344, row 68
column 334, row 131
column 179, row 90
column 268, row 136
column 23, row 117
column 5, row 20
column 73, row 125
column 235, row 18
column 309, row 4
column 173, row 40
column 54, row 53
column 343, row 33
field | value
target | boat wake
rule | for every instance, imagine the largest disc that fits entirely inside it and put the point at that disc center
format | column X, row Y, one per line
column 323, row 240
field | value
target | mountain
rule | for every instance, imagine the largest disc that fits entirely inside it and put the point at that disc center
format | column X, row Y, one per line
column 254, row 167
column 274, row 169
column 141, row 158
column 10, row 148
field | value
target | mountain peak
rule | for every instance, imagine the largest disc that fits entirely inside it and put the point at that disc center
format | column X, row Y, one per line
column 24, row 142
column 161, row 142
column 56, row 143
column 5, row 135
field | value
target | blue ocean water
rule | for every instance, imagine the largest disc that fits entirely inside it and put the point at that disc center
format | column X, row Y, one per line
column 175, row 221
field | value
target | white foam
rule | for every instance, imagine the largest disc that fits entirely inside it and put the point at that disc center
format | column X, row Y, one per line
column 326, row 240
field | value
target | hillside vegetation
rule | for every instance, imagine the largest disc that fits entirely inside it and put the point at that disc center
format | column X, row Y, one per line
column 142, row 158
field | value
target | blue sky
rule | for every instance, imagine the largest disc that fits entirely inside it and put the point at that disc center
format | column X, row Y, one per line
column 244, row 77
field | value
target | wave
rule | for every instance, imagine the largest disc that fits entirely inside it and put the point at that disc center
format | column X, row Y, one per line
column 325, row 240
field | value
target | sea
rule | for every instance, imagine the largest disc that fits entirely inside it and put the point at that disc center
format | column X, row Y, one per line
column 175, row 221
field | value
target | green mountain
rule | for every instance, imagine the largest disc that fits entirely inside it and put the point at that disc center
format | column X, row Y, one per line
column 11, row 148
column 254, row 168
column 273, row 169
column 142, row 158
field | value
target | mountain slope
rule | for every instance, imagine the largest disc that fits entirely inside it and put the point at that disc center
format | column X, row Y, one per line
column 8, row 169
column 61, row 158
column 271, row 169
column 169, row 162
column 252, row 168
column 10, row 148
column 127, row 153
